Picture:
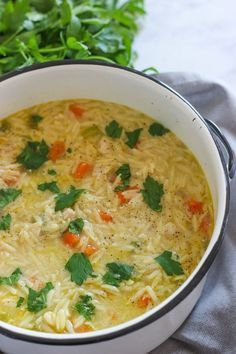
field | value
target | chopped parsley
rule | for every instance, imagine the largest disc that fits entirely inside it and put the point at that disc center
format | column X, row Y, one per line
column 117, row 272
column 52, row 172
column 20, row 301
column 37, row 300
column 133, row 137
column 34, row 120
column 79, row 267
column 66, row 200
column 5, row 125
column 113, row 129
column 168, row 264
column 124, row 173
column 152, row 193
column 5, row 222
column 51, row 186
column 85, row 307
column 8, row 195
column 34, row 154
column 76, row 226
column 12, row 279
column 157, row 129
column 69, row 150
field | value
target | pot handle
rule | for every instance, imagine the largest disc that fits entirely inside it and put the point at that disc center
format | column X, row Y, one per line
column 231, row 164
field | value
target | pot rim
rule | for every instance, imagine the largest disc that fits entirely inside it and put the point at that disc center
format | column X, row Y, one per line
column 33, row 338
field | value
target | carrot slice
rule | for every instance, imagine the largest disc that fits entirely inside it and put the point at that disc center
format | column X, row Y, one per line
column 82, row 169
column 57, row 150
column 123, row 199
column 194, row 206
column 105, row 216
column 77, row 110
column 70, row 239
column 144, row 301
column 90, row 249
column 83, row 328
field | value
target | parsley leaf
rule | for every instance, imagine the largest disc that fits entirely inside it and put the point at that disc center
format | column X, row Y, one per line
column 20, row 301
column 66, row 200
column 76, row 226
column 117, row 272
column 157, row 129
column 8, row 195
column 152, row 193
column 51, row 186
column 69, row 150
column 5, row 222
column 133, row 137
column 12, row 279
column 34, row 120
column 37, row 300
column 113, row 129
column 79, row 267
column 169, row 265
column 125, row 174
column 52, row 172
column 85, row 307
column 33, row 155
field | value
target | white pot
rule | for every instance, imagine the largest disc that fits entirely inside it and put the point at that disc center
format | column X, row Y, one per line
column 73, row 79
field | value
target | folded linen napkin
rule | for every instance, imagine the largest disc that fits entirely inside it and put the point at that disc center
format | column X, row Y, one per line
column 211, row 327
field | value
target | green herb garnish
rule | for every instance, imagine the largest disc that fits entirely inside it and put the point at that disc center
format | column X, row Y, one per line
column 8, row 195
column 66, row 200
column 20, row 301
column 76, row 226
column 34, row 154
column 51, row 186
column 34, row 120
column 133, row 137
column 79, row 267
column 85, row 307
column 5, row 222
column 43, row 30
column 113, row 129
column 52, row 172
column 37, row 300
column 117, row 272
column 69, row 150
column 12, row 279
column 157, row 129
column 169, row 265
column 124, row 173
column 152, row 193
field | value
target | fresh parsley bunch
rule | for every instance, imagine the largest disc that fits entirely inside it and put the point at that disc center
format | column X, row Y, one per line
column 42, row 30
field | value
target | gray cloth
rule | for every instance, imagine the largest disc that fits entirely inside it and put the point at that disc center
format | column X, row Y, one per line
column 211, row 327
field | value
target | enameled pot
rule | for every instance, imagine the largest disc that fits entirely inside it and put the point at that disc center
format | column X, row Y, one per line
column 76, row 79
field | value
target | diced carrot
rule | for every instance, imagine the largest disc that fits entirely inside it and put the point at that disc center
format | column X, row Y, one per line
column 77, row 110
column 123, row 199
column 70, row 239
column 194, row 206
column 90, row 249
column 83, row 328
column 82, row 169
column 144, row 301
column 57, row 150
column 204, row 224
column 105, row 216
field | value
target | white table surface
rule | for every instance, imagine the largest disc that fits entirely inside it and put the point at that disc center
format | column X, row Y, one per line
column 190, row 35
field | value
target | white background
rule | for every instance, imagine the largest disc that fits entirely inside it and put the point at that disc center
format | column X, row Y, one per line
column 190, row 35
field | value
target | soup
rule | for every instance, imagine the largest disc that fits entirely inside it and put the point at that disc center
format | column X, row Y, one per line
column 104, row 213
